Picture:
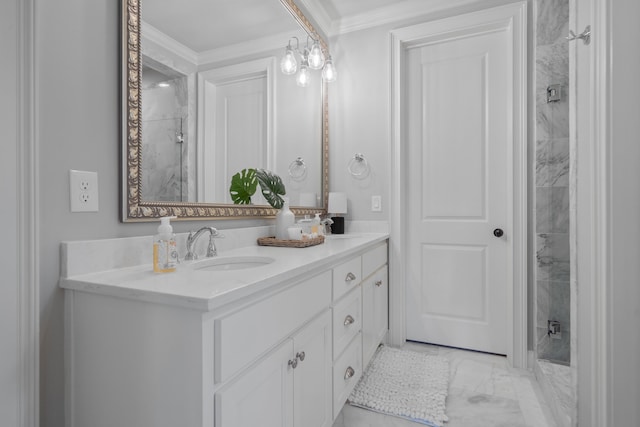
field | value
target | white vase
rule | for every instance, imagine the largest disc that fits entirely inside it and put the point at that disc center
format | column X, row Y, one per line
column 284, row 219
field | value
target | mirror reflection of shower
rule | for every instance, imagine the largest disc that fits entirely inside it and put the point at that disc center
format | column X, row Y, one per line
column 166, row 134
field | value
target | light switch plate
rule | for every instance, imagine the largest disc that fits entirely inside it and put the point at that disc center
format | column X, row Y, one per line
column 376, row 203
column 83, row 191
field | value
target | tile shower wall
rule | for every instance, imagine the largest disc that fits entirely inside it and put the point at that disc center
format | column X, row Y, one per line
column 165, row 169
column 552, row 180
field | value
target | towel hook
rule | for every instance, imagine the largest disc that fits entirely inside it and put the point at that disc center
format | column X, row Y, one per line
column 298, row 169
column 585, row 36
column 358, row 166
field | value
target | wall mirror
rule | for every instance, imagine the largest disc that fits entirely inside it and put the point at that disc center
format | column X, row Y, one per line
column 203, row 98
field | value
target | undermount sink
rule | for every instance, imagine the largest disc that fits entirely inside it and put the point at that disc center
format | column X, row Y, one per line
column 231, row 263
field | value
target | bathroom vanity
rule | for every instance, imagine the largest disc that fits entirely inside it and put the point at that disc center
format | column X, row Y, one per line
column 256, row 336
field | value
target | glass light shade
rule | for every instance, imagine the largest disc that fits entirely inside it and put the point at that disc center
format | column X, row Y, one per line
column 316, row 57
column 329, row 73
column 304, row 75
column 289, row 65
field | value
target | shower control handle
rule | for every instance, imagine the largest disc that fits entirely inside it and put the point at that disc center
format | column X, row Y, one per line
column 498, row 232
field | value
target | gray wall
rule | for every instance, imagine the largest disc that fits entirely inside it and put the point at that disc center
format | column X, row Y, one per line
column 624, row 185
column 77, row 63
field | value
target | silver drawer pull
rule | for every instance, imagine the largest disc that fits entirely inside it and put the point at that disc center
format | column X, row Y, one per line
column 378, row 283
column 348, row 320
column 349, row 373
column 350, row 277
column 300, row 356
column 293, row 363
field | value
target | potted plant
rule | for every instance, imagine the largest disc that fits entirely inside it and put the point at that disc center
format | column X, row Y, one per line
column 244, row 185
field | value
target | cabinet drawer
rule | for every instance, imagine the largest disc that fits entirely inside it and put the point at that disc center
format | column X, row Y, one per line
column 375, row 312
column 374, row 259
column 347, row 321
column 242, row 336
column 346, row 276
column 347, row 370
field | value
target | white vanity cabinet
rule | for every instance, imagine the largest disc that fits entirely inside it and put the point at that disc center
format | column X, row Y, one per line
column 375, row 318
column 360, row 318
column 289, row 387
column 375, row 300
column 277, row 346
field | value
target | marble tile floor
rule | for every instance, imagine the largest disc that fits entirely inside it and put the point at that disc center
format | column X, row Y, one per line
column 483, row 392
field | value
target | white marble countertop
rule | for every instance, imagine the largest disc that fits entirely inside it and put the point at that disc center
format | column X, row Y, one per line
column 207, row 290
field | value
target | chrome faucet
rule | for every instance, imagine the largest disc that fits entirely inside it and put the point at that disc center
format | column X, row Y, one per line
column 211, row 249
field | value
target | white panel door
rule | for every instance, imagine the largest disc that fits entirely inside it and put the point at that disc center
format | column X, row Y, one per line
column 239, row 133
column 458, row 178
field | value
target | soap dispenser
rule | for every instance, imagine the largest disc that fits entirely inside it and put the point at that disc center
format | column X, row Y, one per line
column 165, row 253
column 315, row 226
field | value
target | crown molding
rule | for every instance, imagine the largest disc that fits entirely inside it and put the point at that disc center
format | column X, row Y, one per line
column 376, row 17
column 212, row 56
column 320, row 16
column 156, row 36
column 251, row 47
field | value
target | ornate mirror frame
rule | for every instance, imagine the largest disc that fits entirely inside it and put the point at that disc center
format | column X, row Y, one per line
column 134, row 209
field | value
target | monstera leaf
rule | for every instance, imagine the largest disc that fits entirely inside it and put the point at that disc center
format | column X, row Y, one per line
column 272, row 187
column 243, row 186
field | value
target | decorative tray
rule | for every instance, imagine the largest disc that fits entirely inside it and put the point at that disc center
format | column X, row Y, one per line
column 272, row 241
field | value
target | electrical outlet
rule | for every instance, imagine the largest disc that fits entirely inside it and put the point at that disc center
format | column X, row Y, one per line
column 83, row 191
column 376, row 203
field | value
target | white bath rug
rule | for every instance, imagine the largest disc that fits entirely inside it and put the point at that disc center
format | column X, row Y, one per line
column 405, row 384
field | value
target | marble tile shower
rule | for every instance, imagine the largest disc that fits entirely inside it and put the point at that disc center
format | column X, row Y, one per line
column 165, row 142
column 552, row 181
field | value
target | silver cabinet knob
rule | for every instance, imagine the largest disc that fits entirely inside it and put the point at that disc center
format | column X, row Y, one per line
column 349, row 373
column 348, row 320
column 350, row 277
column 300, row 356
column 378, row 283
column 293, row 363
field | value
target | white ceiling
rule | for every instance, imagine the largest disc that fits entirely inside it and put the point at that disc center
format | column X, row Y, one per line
column 337, row 10
column 205, row 25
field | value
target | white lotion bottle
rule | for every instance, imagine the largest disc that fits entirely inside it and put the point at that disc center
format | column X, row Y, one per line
column 284, row 219
column 165, row 253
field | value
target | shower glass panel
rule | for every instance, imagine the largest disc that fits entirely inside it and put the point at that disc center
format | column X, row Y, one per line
column 165, row 138
column 552, row 182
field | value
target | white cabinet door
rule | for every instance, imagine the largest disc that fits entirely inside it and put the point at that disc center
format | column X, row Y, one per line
column 375, row 312
column 263, row 396
column 312, row 376
column 289, row 387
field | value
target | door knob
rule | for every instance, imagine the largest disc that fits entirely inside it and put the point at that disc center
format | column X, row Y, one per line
column 498, row 232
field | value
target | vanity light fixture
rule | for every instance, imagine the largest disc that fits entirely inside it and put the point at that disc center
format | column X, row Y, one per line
column 316, row 57
column 312, row 58
column 329, row 73
column 289, row 65
column 304, row 75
